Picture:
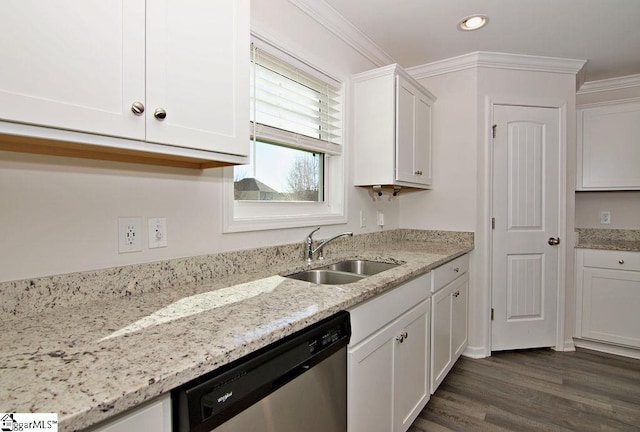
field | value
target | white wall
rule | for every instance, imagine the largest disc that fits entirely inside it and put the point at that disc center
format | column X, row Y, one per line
column 59, row 215
column 623, row 205
column 451, row 205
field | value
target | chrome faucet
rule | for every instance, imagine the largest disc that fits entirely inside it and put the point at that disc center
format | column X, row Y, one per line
column 309, row 242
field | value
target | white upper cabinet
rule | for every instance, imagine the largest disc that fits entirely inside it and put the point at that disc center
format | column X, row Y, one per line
column 392, row 129
column 75, row 65
column 165, row 72
column 198, row 74
column 608, row 146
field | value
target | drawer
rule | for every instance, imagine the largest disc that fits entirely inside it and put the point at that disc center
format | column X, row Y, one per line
column 375, row 313
column 448, row 272
column 616, row 260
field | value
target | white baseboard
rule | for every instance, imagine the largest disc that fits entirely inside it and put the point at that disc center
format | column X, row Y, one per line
column 476, row 352
column 569, row 346
column 608, row 348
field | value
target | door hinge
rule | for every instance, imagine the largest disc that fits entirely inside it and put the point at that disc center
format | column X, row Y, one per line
column 494, row 129
column 493, row 223
column 491, row 314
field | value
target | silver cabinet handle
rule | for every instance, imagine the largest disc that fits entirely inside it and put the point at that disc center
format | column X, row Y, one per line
column 621, row 261
column 456, row 269
column 137, row 108
column 402, row 336
column 553, row 241
column 160, row 114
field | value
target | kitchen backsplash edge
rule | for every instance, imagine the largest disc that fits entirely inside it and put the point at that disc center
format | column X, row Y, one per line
column 45, row 293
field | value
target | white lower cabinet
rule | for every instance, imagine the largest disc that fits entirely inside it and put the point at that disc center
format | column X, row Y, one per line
column 449, row 326
column 609, row 296
column 388, row 373
column 155, row 416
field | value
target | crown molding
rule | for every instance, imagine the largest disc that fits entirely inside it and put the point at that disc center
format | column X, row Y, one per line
column 328, row 17
column 610, row 84
column 498, row 61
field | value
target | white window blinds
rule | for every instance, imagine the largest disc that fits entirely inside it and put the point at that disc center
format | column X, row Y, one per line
column 293, row 104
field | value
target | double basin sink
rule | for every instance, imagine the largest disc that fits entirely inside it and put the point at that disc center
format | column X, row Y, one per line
column 343, row 272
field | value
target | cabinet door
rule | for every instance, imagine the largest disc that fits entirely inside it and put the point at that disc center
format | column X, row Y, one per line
column 459, row 315
column 422, row 147
column 155, row 416
column 411, row 383
column 441, row 331
column 608, row 150
column 198, row 74
column 370, row 383
column 610, row 305
column 413, row 134
column 73, row 64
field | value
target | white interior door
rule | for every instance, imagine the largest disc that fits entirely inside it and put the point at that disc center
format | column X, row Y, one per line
column 526, row 167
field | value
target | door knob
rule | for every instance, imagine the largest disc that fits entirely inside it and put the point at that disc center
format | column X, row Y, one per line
column 137, row 108
column 160, row 114
column 554, row 241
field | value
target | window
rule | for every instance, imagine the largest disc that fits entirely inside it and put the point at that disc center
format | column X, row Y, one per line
column 295, row 174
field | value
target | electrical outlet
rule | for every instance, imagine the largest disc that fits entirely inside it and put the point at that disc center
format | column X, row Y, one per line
column 605, row 217
column 129, row 234
column 157, row 232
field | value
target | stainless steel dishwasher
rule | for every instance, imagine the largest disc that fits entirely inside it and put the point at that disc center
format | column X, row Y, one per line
column 296, row 384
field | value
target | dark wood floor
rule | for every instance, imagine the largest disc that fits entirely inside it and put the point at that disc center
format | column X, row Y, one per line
column 537, row 390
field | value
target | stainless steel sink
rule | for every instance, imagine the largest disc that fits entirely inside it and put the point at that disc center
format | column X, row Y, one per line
column 326, row 277
column 343, row 272
column 361, row 267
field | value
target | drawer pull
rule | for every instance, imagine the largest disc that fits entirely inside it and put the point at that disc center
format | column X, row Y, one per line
column 456, row 294
column 621, row 261
column 456, row 269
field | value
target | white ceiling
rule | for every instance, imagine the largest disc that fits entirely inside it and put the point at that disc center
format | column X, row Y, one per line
column 606, row 33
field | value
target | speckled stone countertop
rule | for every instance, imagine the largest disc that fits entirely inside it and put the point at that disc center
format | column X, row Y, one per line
column 92, row 359
column 609, row 239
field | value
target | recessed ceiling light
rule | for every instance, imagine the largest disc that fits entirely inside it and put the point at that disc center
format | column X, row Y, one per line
column 473, row 22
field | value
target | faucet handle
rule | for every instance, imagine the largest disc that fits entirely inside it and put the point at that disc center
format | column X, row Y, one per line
column 310, row 236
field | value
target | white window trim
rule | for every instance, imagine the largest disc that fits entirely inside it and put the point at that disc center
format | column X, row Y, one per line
column 243, row 216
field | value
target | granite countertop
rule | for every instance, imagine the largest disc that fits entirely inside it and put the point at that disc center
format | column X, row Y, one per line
column 88, row 362
column 608, row 239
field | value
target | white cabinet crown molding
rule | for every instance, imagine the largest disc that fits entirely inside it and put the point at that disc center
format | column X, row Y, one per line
column 607, row 103
column 498, row 60
column 343, row 29
column 610, row 84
